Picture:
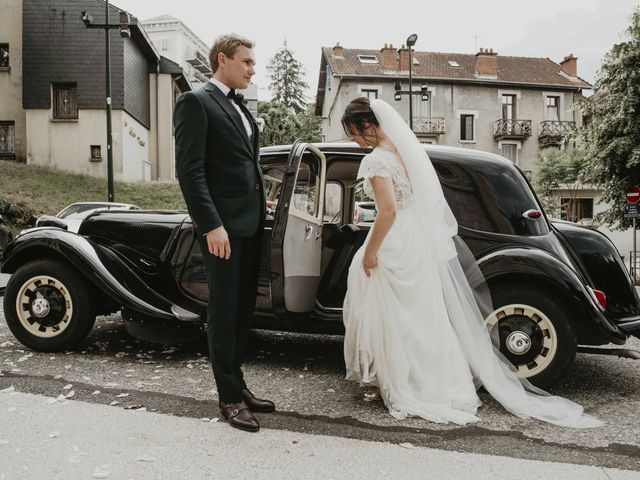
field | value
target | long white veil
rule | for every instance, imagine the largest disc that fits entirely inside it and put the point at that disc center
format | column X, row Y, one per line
column 487, row 364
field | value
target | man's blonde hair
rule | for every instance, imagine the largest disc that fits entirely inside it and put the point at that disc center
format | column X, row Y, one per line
column 227, row 44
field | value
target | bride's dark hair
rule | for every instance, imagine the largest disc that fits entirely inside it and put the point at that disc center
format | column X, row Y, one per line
column 358, row 116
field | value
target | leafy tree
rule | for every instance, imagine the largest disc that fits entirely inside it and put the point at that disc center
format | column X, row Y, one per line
column 287, row 79
column 612, row 136
column 559, row 171
column 282, row 126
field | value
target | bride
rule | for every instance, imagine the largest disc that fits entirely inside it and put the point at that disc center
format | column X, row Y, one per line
column 415, row 336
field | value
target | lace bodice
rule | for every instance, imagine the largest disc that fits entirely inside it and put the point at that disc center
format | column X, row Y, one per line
column 385, row 163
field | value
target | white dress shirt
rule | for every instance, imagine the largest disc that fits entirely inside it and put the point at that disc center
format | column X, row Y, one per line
column 225, row 90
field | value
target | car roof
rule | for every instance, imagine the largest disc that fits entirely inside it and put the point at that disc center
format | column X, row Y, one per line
column 440, row 152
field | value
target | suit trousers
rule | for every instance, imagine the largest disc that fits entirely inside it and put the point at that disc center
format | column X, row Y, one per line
column 233, row 286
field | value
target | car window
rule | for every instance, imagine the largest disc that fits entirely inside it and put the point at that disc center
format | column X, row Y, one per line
column 490, row 197
column 306, row 191
column 333, row 203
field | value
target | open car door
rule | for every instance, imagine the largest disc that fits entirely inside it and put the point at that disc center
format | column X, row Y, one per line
column 296, row 241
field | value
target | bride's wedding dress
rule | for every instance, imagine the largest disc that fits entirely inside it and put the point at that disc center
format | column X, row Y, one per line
column 413, row 328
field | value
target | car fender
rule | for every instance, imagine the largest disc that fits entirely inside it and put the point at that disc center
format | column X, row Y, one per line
column 538, row 267
column 90, row 262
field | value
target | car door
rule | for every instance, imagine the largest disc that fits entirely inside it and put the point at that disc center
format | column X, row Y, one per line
column 296, row 242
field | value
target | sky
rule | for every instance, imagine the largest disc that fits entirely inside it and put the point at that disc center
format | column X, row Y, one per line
column 544, row 28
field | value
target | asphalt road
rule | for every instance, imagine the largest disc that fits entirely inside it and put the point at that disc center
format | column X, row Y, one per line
column 304, row 375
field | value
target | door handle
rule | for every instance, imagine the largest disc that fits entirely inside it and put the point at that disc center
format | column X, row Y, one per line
column 309, row 230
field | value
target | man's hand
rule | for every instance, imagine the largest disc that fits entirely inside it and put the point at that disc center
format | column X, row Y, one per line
column 218, row 243
column 272, row 205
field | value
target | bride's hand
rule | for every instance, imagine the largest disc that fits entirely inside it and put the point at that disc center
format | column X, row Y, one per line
column 369, row 262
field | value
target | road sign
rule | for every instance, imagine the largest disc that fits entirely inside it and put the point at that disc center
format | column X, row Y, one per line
column 634, row 195
column 632, row 211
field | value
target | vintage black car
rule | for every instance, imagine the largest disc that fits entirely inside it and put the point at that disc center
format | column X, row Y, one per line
column 554, row 285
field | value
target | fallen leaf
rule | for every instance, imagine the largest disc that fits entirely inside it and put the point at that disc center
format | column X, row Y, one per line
column 95, row 392
column 114, row 403
column 122, row 395
column 408, row 445
column 67, row 387
column 70, row 394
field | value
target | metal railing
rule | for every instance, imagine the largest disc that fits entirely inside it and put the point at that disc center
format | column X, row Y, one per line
column 429, row 126
column 512, row 128
column 552, row 132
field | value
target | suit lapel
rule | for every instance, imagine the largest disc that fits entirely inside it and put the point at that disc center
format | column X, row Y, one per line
column 230, row 110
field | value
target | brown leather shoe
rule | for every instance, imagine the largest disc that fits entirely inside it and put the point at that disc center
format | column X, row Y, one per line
column 257, row 404
column 239, row 416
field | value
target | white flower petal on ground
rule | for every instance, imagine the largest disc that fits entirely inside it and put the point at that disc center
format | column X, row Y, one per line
column 25, row 357
column 407, row 445
column 122, row 395
column 95, row 392
column 114, row 403
column 70, row 394
column 67, row 387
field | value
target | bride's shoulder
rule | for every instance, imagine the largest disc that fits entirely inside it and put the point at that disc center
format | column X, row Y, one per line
column 373, row 163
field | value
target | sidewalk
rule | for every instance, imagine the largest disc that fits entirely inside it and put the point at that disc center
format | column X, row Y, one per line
column 42, row 437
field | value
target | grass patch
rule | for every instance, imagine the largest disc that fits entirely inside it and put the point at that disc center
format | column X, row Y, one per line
column 28, row 191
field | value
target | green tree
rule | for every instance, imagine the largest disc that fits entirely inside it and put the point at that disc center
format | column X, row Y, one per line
column 283, row 126
column 287, row 79
column 612, row 136
column 559, row 171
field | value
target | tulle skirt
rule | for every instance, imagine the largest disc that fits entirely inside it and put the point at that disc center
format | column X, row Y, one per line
column 398, row 336
column 414, row 329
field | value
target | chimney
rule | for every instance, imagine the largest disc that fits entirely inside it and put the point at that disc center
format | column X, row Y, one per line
column 570, row 65
column 389, row 58
column 487, row 62
column 404, row 58
column 337, row 50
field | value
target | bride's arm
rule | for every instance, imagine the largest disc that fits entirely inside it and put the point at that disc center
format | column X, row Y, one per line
column 386, row 207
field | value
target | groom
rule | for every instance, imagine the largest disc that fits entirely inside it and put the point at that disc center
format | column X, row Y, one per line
column 217, row 164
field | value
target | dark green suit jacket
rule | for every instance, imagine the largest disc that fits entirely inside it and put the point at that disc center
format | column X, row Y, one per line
column 217, row 164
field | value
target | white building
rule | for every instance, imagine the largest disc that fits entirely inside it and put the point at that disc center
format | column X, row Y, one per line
column 174, row 40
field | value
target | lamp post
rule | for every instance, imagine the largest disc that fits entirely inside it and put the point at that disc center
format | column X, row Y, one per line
column 124, row 32
column 411, row 41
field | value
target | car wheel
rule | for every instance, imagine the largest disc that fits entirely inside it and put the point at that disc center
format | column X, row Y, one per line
column 48, row 307
column 535, row 331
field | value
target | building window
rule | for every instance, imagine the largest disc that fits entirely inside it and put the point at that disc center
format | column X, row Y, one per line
column 510, row 151
column 164, row 44
column 65, row 101
column 552, row 110
column 509, row 107
column 371, row 94
column 575, row 209
column 7, row 139
column 4, row 55
column 466, row 127
column 96, row 153
column 368, row 59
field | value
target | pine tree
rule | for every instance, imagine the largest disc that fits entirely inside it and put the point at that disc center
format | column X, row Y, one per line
column 612, row 136
column 287, row 79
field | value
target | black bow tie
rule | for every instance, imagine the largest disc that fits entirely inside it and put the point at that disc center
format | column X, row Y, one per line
column 235, row 97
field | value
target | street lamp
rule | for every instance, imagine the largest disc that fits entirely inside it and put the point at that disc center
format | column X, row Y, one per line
column 411, row 41
column 123, row 26
column 424, row 93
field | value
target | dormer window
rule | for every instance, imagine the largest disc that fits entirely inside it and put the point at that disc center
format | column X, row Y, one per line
column 368, row 59
column 453, row 63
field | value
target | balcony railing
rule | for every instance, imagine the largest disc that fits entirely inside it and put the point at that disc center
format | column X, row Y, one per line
column 552, row 132
column 511, row 129
column 428, row 126
column 200, row 63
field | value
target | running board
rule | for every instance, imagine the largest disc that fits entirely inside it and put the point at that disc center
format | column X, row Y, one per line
column 618, row 352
